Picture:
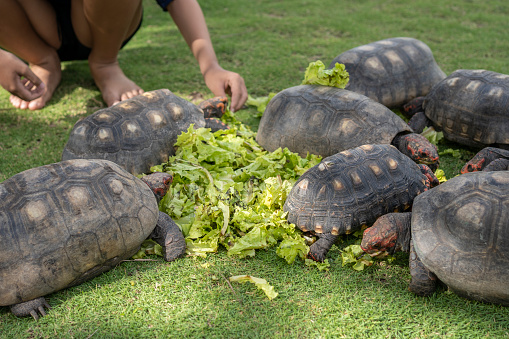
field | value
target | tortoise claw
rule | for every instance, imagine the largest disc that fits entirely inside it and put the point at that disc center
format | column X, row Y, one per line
column 31, row 307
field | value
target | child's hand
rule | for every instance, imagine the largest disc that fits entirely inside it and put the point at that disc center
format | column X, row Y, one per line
column 18, row 79
column 222, row 82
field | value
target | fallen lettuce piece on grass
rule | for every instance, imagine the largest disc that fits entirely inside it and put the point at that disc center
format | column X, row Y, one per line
column 454, row 152
column 316, row 74
column 148, row 247
column 354, row 255
column 260, row 283
column 322, row 266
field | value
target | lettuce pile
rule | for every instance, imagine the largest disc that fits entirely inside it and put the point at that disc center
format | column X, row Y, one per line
column 227, row 191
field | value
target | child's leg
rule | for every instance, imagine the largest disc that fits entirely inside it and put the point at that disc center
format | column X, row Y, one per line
column 29, row 30
column 104, row 26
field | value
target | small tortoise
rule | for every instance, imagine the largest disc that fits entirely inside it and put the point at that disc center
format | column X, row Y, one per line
column 471, row 107
column 350, row 190
column 138, row 133
column 457, row 234
column 326, row 120
column 391, row 71
column 64, row 223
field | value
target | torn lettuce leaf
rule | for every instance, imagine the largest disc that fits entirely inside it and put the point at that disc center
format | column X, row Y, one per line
column 262, row 284
column 432, row 135
column 322, row 266
column 260, row 102
column 316, row 74
column 354, row 256
column 440, row 174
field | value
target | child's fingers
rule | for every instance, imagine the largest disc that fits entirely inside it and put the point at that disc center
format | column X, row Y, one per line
column 238, row 93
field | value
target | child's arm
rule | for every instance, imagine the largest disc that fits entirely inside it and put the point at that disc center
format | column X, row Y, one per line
column 189, row 19
column 18, row 79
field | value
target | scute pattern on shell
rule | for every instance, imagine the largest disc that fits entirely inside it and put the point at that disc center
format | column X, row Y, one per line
column 391, row 71
column 353, row 188
column 460, row 231
column 67, row 222
column 137, row 133
column 325, row 120
column 471, row 107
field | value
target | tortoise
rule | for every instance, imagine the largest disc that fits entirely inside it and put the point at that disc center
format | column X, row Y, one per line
column 469, row 106
column 391, row 71
column 326, row 120
column 351, row 189
column 64, row 223
column 137, row 133
column 456, row 234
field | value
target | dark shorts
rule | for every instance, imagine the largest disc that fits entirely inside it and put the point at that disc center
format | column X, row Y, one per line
column 72, row 48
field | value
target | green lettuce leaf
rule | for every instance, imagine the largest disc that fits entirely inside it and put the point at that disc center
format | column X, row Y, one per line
column 260, row 102
column 432, row 135
column 354, row 256
column 259, row 282
column 440, row 174
column 291, row 248
column 454, row 152
column 316, row 74
column 322, row 266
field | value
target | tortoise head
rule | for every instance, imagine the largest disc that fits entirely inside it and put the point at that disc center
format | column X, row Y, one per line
column 159, row 183
column 419, row 149
column 390, row 233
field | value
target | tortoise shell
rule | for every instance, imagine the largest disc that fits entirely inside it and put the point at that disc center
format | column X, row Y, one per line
column 325, row 120
column 460, row 231
column 64, row 223
column 471, row 107
column 391, row 71
column 137, row 133
column 351, row 189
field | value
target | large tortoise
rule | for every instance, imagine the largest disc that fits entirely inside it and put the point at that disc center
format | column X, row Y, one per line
column 350, row 190
column 67, row 222
column 471, row 107
column 391, row 71
column 140, row 132
column 326, row 120
column 457, row 234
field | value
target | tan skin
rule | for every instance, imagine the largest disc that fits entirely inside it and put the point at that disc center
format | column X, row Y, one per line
column 37, row 43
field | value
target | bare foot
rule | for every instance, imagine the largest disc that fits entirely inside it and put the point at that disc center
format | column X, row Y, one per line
column 50, row 73
column 113, row 83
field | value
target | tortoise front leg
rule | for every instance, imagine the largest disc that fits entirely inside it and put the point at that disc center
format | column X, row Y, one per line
column 319, row 249
column 30, row 308
column 488, row 159
column 424, row 282
column 170, row 237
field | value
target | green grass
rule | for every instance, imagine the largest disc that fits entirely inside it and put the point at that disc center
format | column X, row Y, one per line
column 270, row 43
